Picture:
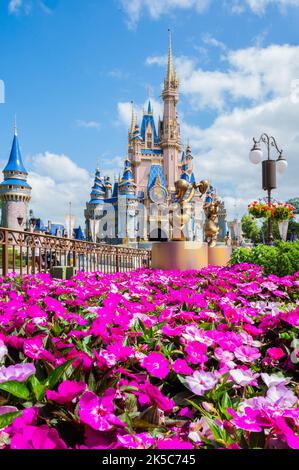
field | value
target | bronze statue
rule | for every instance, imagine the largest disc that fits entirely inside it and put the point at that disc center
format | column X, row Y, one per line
column 181, row 214
column 211, row 226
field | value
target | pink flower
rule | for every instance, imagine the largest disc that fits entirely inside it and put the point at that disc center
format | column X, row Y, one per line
column 275, row 353
column 156, row 365
column 200, row 382
column 67, row 391
column 98, row 412
column 181, row 367
column 174, row 443
column 247, row 353
column 33, row 348
column 33, row 437
column 247, row 421
column 283, row 428
column 19, row 372
column 156, row 397
column 139, row 441
column 196, row 352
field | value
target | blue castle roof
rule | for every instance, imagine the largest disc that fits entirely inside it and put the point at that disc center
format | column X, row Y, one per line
column 15, row 182
column 15, row 162
column 148, row 118
column 156, row 171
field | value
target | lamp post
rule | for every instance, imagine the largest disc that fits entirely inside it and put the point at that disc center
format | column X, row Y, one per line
column 269, row 167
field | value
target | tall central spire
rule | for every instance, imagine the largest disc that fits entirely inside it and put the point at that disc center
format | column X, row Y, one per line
column 170, row 72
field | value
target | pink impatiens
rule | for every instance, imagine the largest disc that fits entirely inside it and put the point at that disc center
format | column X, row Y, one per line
column 97, row 412
column 67, row 391
column 156, row 365
column 150, row 359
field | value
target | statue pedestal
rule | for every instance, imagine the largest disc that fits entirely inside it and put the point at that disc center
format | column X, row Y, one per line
column 181, row 255
column 219, row 255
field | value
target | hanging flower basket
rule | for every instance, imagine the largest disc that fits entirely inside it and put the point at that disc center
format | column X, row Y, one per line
column 277, row 211
column 259, row 210
column 282, row 211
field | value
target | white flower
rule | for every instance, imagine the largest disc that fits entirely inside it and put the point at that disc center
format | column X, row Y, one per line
column 243, row 377
column 273, row 380
column 200, row 382
column 3, row 350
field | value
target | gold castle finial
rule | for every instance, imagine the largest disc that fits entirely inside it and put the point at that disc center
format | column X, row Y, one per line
column 170, row 72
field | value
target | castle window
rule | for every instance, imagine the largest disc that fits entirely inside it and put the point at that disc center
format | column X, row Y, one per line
column 149, row 140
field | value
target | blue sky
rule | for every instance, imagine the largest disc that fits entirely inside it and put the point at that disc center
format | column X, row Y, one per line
column 71, row 67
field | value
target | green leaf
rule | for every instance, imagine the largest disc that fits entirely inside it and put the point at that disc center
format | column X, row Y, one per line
column 38, row 388
column 7, row 419
column 56, row 375
column 18, row 389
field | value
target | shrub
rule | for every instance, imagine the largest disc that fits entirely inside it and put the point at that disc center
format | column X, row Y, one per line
column 281, row 259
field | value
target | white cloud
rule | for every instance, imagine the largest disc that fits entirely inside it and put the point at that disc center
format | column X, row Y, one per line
column 156, row 8
column 88, row 124
column 56, row 180
column 260, row 6
column 221, row 151
column 249, row 75
column 211, row 41
column 14, row 6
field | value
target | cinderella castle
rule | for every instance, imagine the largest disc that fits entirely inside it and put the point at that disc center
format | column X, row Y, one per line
column 136, row 207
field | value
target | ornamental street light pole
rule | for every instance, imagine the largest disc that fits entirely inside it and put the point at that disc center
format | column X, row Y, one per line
column 269, row 168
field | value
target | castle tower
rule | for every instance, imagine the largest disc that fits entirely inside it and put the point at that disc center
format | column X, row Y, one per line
column 15, row 192
column 95, row 207
column 170, row 135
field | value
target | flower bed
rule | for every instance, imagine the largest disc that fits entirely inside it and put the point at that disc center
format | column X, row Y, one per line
column 150, row 359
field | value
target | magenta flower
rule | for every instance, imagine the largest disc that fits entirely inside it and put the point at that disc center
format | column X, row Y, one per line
column 156, row 365
column 67, row 391
column 98, row 412
column 200, row 382
column 33, row 348
column 181, row 367
column 139, row 441
column 19, row 372
column 247, row 354
column 33, row 437
column 196, row 352
column 156, row 397
column 275, row 353
column 247, row 421
column 174, row 443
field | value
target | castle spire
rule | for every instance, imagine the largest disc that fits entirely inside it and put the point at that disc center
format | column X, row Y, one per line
column 170, row 71
column 132, row 119
column 15, row 129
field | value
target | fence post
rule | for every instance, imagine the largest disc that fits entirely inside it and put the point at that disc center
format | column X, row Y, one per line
column 74, row 256
column 5, row 254
column 117, row 260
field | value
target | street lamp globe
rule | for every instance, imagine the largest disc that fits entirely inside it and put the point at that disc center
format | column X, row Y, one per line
column 281, row 164
column 255, row 155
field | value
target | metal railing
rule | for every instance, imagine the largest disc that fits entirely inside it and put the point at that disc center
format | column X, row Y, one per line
column 29, row 253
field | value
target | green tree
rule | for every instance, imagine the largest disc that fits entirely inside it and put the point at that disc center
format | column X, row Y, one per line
column 250, row 229
column 293, row 228
column 295, row 202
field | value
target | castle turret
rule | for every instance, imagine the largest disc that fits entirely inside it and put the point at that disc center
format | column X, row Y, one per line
column 15, row 192
column 170, row 135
